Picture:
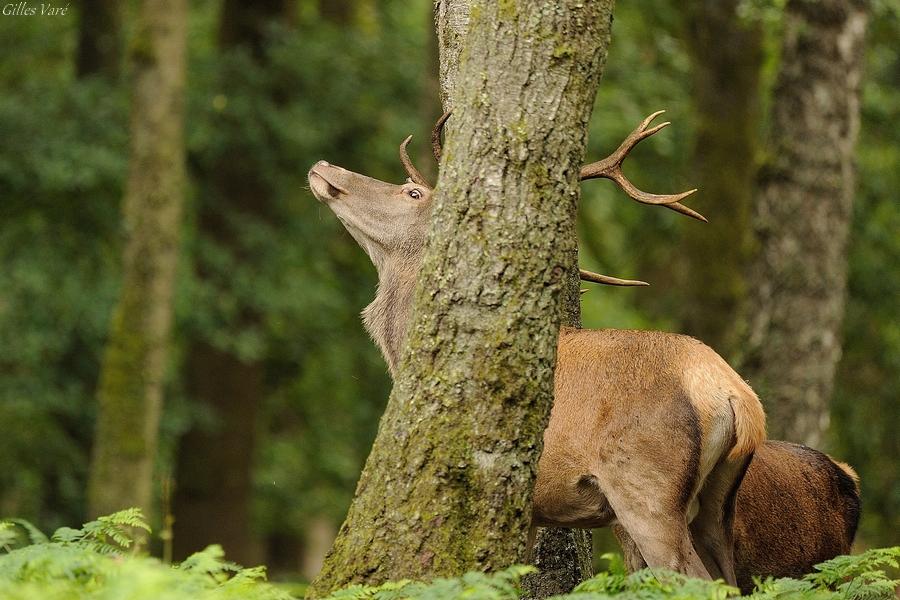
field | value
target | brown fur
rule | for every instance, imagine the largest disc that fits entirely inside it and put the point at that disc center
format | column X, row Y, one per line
column 644, row 424
column 796, row 507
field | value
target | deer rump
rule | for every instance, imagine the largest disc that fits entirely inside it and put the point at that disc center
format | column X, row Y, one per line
column 793, row 508
column 796, row 507
column 651, row 431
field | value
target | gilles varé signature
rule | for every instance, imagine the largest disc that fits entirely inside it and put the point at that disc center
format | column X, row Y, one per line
column 25, row 9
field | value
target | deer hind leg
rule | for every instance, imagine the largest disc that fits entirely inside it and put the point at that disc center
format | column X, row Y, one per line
column 648, row 467
column 662, row 538
column 711, row 529
column 633, row 559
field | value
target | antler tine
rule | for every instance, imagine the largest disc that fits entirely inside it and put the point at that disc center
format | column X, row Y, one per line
column 436, row 148
column 611, row 168
column 411, row 170
column 607, row 280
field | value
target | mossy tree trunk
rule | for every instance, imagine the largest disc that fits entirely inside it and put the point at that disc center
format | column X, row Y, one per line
column 214, row 469
column 802, row 216
column 447, row 487
column 726, row 56
column 99, row 38
column 134, row 364
column 564, row 556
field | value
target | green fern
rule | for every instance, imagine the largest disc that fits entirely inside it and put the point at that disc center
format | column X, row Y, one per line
column 89, row 563
column 503, row 585
column 836, row 571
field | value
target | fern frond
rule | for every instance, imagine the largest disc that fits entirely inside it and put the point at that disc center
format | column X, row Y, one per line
column 869, row 586
column 35, row 535
column 210, row 561
column 67, row 535
column 839, row 569
column 8, row 535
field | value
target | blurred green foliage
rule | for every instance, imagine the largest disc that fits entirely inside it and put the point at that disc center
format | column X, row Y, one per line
column 865, row 405
column 349, row 96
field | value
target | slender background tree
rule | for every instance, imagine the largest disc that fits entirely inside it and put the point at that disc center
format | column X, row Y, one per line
column 99, row 38
column 726, row 60
column 136, row 357
column 216, row 456
column 802, row 217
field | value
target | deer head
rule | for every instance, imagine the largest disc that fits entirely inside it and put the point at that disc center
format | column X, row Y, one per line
column 389, row 221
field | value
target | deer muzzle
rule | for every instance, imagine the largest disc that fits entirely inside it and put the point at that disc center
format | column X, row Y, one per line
column 323, row 181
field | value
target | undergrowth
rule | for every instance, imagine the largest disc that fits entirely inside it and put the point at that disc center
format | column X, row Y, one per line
column 95, row 563
column 859, row 577
column 99, row 562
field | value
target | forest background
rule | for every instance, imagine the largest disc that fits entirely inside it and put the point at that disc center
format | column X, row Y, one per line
column 273, row 390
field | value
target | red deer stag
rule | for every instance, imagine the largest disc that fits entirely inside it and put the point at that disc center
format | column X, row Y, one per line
column 650, row 431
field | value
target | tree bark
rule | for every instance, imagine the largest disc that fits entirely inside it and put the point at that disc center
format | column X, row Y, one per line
column 563, row 556
column 447, row 487
column 214, row 464
column 99, row 38
column 802, row 216
column 726, row 55
column 134, row 365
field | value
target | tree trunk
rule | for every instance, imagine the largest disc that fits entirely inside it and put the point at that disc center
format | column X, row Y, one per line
column 802, row 215
column 214, row 465
column 447, row 487
column 215, row 462
column 133, row 371
column 563, row 556
column 99, row 38
column 726, row 55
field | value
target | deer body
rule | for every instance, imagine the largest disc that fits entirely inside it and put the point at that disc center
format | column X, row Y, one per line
column 649, row 431
column 662, row 464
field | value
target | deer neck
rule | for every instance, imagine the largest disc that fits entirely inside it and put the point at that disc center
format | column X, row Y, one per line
column 387, row 317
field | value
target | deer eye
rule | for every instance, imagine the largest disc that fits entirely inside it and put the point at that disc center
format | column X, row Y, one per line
column 414, row 193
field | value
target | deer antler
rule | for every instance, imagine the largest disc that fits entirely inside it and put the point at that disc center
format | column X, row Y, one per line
column 411, row 170
column 436, row 148
column 607, row 280
column 611, row 168
column 414, row 174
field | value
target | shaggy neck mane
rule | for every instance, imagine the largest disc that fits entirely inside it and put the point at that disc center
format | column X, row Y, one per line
column 387, row 317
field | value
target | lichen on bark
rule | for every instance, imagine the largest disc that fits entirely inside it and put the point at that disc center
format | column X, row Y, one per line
column 447, row 487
